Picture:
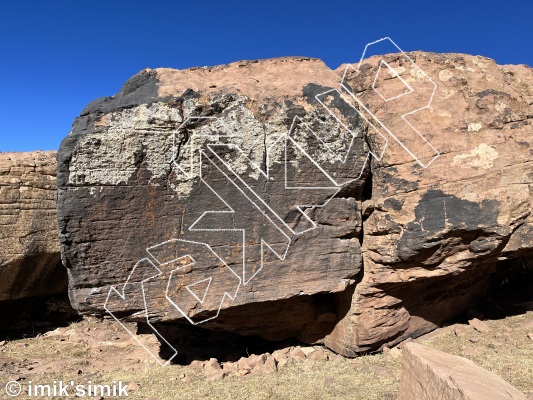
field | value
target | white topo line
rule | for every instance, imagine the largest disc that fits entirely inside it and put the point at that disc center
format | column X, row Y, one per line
column 194, row 150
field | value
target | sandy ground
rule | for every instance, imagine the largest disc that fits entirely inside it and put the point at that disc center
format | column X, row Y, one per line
column 94, row 351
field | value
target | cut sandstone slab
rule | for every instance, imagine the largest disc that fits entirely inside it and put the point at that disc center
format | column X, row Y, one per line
column 429, row 374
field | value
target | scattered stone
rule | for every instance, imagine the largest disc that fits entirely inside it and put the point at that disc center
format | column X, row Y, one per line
column 213, row 370
column 230, row 367
column 509, row 370
column 133, row 386
column 297, row 354
column 256, row 359
column 268, row 367
column 429, row 374
column 461, row 330
column 282, row 362
column 479, row 325
column 197, row 364
column 213, row 362
column 244, row 364
column 395, row 353
column 213, row 374
column 318, row 355
column 530, row 335
column 3, row 343
column 280, row 354
column 499, row 347
column 307, row 350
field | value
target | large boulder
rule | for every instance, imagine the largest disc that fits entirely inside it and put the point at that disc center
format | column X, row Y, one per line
column 214, row 189
column 280, row 198
column 436, row 239
column 30, row 262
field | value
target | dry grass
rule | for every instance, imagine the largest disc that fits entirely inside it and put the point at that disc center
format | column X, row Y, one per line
column 505, row 350
column 339, row 379
column 48, row 358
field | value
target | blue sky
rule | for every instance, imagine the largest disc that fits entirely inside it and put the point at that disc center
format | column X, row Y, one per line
column 57, row 56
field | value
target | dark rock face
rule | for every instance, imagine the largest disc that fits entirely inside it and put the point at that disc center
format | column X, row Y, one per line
column 30, row 263
column 255, row 198
column 199, row 201
column 432, row 218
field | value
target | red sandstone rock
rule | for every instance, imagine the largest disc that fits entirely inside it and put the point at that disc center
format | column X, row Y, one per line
column 414, row 239
column 429, row 374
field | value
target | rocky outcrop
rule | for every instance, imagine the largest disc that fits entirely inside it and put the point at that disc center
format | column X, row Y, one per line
column 437, row 238
column 280, row 198
column 30, row 263
column 187, row 195
column 429, row 374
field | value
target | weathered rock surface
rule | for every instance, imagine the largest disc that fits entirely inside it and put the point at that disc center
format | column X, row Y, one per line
column 436, row 238
column 128, row 213
column 158, row 183
column 30, row 263
column 429, row 374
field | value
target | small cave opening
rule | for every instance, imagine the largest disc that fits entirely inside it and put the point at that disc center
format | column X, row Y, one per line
column 34, row 316
column 250, row 329
column 194, row 343
column 39, row 302
column 486, row 291
column 509, row 293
